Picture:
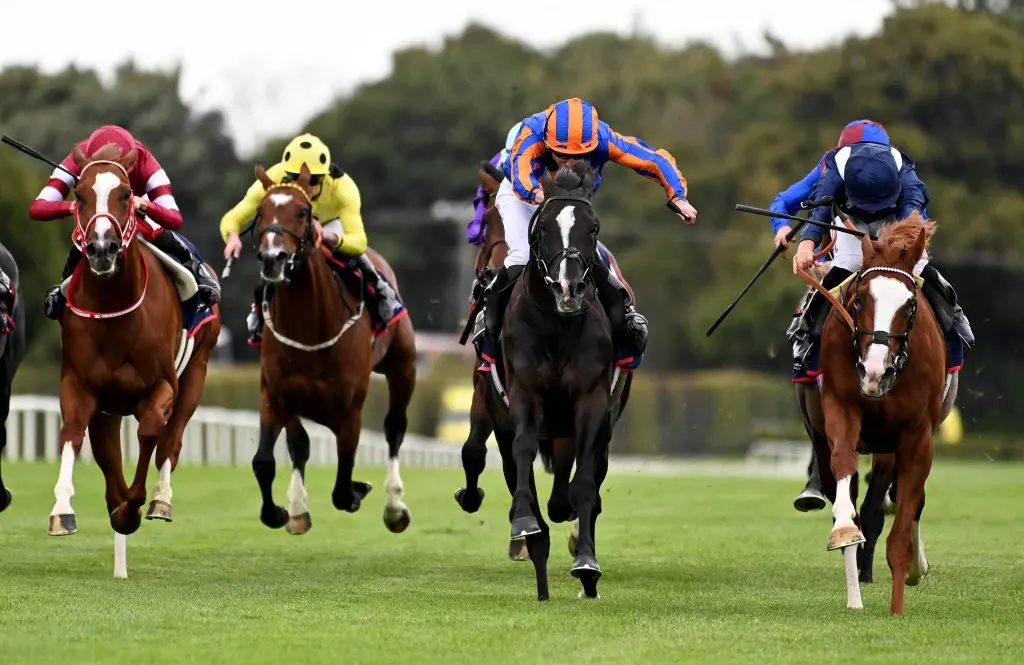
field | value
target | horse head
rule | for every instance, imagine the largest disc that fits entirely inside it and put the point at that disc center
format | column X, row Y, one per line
column 104, row 199
column 494, row 236
column 884, row 302
column 285, row 227
column 563, row 240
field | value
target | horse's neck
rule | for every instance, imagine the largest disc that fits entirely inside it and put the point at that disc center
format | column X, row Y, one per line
column 311, row 301
column 122, row 290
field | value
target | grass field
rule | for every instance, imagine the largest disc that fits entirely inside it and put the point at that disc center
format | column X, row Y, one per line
column 697, row 569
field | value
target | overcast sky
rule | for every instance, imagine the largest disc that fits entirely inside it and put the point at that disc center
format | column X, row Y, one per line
column 271, row 65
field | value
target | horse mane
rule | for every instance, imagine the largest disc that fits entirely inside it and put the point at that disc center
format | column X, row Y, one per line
column 898, row 241
column 574, row 179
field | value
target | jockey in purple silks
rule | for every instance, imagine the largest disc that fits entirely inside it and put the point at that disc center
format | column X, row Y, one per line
column 475, row 230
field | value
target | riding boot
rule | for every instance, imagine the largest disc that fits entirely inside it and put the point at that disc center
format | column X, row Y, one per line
column 940, row 292
column 496, row 297
column 807, row 332
column 7, row 290
column 811, row 497
column 169, row 243
column 629, row 327
column 379, row 296
column 254, row 320
column 53, row 307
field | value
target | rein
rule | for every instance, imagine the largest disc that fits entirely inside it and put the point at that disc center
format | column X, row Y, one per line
column 570, row 253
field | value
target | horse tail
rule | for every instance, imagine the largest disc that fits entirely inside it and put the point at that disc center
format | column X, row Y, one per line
column 547, row 454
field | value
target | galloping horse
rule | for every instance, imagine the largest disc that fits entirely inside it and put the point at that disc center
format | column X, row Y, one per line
column 879, row 398
column 316, row 361
column 563, row 396
column 12, row 351
column 136, row 343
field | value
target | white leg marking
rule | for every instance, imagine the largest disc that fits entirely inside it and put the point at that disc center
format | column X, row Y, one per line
column 393, row 491
column 162, row 491
column 853, row 600
column 843, row 509
column 918, row 563
column 566, row 220
column 890, row 296
column 297, row 497
column 64, row 489
column 120, row 556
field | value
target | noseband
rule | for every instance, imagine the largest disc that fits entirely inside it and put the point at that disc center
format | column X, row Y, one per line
column 307, row 241
column 570, row 253
column 126, row 231
column 883, row 337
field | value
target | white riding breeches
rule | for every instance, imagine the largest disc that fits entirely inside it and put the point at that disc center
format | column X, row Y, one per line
column 334, row 226
column 515, row 215
column 849, row 253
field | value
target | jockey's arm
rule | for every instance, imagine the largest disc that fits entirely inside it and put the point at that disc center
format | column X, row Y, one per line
column 788, row 200
column 914, row 193
column 49, row 204
column 524, row 164
column 161, row 207
column 234, row 219
column 830, row 184
column 656, row 165
column 345, row 194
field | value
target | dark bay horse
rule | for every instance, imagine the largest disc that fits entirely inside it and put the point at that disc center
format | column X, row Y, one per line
column 564, row 396
column 316, row 361
column 126, row 349
column 883, row 386
column 12, row 352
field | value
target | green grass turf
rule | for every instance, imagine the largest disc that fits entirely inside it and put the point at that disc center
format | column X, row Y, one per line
column 697, row 569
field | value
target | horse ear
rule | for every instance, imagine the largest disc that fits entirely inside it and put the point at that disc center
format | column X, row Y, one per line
column 488, row 177
column 914, row 253
column 867, row 247
column 128, row 161
column 79, row 156
column 546, row 182
column 304, row 177
column 261, row 175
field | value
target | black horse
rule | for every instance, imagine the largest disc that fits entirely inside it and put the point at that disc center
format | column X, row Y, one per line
column 12, row 351
column 557, row 360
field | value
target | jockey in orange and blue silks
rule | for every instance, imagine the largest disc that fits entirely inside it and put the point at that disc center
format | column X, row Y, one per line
column 569, row 130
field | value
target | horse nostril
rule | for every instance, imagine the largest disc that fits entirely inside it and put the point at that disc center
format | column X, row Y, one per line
column 579, row 288
column 91, row 249
column 111, row 249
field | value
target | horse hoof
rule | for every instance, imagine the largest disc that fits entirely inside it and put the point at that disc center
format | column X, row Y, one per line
column 518, row 551
column 523, row 527
column 397, row 521
column 361, row 489
column 274, row 517
column 62, row 525
column 159, row 510
column 299, row 524
column 586, row 570
column 125, row 521
column 866, row 578
column 809, row 500
column 469, row 501
column 914, row 580
column 845, row 536
column 583, row 596
column 5, row 500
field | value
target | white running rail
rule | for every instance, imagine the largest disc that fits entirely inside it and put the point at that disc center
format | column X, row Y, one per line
column 217, row 436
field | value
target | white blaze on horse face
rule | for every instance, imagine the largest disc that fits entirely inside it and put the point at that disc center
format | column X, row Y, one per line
column 104, row 185
column 566, row 220
column 890, row 296
column 281, row 199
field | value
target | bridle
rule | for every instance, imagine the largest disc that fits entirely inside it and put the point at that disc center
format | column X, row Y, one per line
column 308, row 241
column 126, row 231
column 571, row 253
column 882, row 337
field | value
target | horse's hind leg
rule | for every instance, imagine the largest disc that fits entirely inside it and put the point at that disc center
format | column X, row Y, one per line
column 299, row 520
column 872, row 516
column 808, row 399
column 105, row 438
column 919, row 566
column 264, row 466
column 153, row 416
column 914, row 461
column 401, row 376
column 474, row 450
column 5, row 494
column 348, row 494
column 76, row 409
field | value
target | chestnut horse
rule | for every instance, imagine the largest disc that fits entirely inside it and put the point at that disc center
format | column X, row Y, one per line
column 316, row 361
column 880, row 398
column 126, row 349
column 12, row 352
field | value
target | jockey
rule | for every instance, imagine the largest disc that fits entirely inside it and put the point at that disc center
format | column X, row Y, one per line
column 149, row 180
column 567, row 130
column 335, row 199
column 872, row 183
column 475, row 229
column 7, row 291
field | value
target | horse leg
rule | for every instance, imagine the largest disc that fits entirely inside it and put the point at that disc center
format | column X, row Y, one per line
column 538, row 545
column 518, row 550
column 809, row 400
column 5, row 494
column 348, row 494
column 872, row 516
column 560, row 502
column 401, row 376
column 590, row 419
column 526, row 409
column 474, row 450
column 299, row 520
column 190, row 391
column 153, row 416
column 77, row 406
column 264, row 465
column 919, row 566
column 843, row 429
column 105, row 438
column 913, row 464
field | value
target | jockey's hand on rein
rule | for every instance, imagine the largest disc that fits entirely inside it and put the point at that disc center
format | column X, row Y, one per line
column 804, row 258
